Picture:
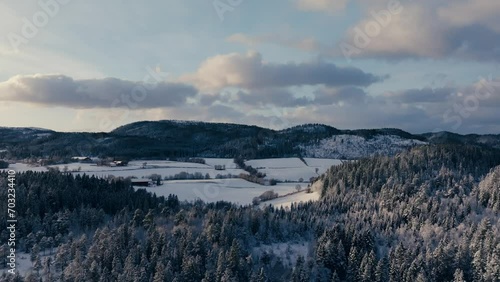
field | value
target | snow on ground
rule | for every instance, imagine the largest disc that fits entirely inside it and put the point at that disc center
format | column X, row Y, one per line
column 291, row 174
column 211, row 190
column 229, row 163
column 292, row 169
column 276, row 163
column 322, row 163
column 20, row 167
column 287, row 201
column 237, row 190
column 156, row 163
column 145, row 173
column 288, row 252
column 135, row 168
column 284, row 169
column 23, row 262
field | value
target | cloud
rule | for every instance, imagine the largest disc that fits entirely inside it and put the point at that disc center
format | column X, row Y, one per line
column 251, row 72
column 272, row 97
column 328, row 6
column 196, row 112
column 286, row 98
column 467, row 109
column 60, row 90
column 467, row 30
column 329, row 96
column 304, row 44
column 424, row 95
column 471, row 12
column 463, row 29
column 416, row 110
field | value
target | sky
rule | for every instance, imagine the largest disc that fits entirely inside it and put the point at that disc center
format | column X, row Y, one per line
column 421, row 66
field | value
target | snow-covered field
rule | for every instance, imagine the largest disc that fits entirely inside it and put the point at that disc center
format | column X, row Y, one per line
column 286, row 202
column 229, row 163
column 23, row 263
column 137, row 168
column 20, row 167
column 292, row 169
column 284, row 169
column 239, row 191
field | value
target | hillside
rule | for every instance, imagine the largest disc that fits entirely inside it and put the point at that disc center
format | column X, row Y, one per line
column 164, row 139
column 426, row 214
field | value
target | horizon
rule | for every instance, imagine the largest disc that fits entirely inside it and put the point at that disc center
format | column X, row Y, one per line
column 214, row 122
column 347, row 64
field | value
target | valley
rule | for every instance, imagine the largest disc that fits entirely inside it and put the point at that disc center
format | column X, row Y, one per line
column 215, row 184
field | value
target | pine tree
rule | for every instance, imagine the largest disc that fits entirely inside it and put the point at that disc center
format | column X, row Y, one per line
column 458, row 276
column 261, row 277
column 353, row 265
column 159, row 272
column 335, row 277
column 382, row 270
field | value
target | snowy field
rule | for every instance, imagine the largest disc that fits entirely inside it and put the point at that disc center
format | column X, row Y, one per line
column 20, row 167
column 286, row 202
column 137, row 168
column 292, row 169
column 284, row 169
column 237, row 191
column 288, row 170
column 23, row 263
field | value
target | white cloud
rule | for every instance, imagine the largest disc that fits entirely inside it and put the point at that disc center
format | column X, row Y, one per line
column 60, row 90
column 469, row 12
column 432, row 29
column 407, row 33
column 305, row 44
column 463, row 29
column 250, row 71
column 327, row 6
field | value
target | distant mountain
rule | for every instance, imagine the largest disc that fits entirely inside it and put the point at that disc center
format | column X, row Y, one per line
column 168, row 138
column 488, row 140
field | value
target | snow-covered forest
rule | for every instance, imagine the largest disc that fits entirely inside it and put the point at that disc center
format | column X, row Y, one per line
column 427, row 214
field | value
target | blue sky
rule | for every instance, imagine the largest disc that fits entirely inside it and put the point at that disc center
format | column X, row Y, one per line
column 92, row 66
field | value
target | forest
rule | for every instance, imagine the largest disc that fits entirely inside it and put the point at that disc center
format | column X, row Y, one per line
column 430, row 213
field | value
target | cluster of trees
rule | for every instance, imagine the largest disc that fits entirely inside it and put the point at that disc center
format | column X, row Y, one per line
column 248, row 168
column 3, row 164
column 423, row 214
column 188, row 160
column 186, row 175
column 225, row 176
column 253, row 174
column 266, row 196
column 429, row 214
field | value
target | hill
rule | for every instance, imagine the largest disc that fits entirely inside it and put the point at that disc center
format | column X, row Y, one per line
column 168, row 138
